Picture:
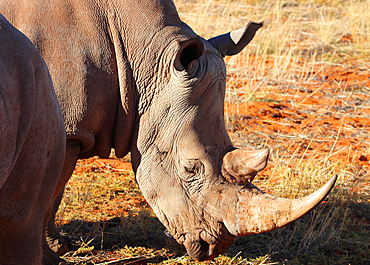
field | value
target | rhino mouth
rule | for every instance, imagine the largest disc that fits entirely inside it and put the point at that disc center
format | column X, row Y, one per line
column 201, row 250
column 204, row 246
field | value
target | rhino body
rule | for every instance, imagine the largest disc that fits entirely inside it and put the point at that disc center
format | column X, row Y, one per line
column 130, row 75
column 32, row 146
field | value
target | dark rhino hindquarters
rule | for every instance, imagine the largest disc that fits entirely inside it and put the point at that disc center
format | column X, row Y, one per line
column 32, row 147
column 132, row 76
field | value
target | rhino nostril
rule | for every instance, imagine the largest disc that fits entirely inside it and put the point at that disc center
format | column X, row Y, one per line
column 200, row 250
column 204, row 247
column 201, row 246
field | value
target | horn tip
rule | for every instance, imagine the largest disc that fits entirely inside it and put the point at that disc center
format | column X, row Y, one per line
column 324, row 190
column 257, row 24
column 334, row 178
column 331, row 182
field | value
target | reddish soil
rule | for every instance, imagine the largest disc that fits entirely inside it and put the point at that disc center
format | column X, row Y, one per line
column 326, row 118
column 335, row 128
column 91, row 164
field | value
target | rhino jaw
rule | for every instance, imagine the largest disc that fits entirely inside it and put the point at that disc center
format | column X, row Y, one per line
column 258, row 212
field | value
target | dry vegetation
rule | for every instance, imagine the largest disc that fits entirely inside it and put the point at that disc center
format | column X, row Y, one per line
column 301, row 88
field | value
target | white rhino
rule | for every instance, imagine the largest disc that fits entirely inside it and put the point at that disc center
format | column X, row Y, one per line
column 130, row 75
column 32, row 148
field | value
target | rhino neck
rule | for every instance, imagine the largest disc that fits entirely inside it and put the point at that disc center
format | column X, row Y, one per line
column 143, row 31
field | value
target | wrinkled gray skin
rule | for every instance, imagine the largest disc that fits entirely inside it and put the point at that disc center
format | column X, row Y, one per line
column 32, row 145
column 131, row 75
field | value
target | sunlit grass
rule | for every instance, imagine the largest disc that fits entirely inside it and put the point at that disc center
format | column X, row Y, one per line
column 297, row 38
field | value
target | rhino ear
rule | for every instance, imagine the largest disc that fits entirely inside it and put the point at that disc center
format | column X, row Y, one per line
column 190, row 50
column 234, row 42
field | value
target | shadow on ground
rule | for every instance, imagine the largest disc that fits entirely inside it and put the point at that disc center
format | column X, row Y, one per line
column 333, row 233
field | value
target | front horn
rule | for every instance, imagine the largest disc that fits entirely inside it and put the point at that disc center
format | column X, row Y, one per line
column 258, row 212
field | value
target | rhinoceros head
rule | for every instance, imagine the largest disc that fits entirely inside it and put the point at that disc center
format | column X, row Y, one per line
column 197, row 183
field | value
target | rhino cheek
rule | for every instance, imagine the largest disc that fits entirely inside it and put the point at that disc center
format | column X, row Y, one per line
column 165, row 195
column 186, row 220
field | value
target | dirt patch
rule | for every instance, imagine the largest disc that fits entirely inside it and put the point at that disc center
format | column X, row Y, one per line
column 326, row 117
column 96, row 163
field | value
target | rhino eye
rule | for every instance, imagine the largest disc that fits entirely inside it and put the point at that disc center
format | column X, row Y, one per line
column 190, row 169
column 192, row 166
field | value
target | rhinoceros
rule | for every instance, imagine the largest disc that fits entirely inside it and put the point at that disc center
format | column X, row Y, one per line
column 130, row 75
column 32, row 148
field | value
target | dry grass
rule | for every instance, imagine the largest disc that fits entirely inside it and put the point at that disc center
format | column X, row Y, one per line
column 299, row 36
column 104, row 209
